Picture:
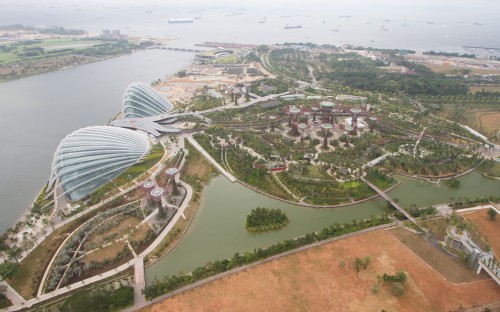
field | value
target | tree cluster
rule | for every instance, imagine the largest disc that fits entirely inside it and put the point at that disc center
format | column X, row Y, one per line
column 263, row 219
column 170, row 283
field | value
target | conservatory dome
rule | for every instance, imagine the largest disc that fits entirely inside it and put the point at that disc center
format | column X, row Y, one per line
column 140, row 100
column 90, row 157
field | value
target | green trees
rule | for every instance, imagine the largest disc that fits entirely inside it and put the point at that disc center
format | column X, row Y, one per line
column 7, row 269
column 453, row 183
column 395, row 282
column 170, row 283
column 492, row 214
column 359, row 264
column 264, row 219
column 102, row 300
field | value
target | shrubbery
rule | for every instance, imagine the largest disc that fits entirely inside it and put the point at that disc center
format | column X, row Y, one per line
column 171, row 283
column 264, row 219
column 102, row 300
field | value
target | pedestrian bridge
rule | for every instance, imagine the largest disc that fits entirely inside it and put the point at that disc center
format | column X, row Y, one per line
column 393, row 203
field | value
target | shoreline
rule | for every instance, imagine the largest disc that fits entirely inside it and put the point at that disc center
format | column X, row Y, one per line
column 3, row 80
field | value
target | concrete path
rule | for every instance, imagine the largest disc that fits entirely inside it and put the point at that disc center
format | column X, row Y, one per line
column 139, row 281
column 207, row 156
column 12, row 295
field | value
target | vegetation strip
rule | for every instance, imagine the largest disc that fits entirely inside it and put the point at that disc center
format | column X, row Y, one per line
column 171, row 283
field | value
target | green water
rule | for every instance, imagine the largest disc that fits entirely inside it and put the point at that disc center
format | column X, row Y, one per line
column 423, row 193
column 218, row 231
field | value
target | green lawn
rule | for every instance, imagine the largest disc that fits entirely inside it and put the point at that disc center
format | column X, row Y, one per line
column 490, row 167
column 4, row 302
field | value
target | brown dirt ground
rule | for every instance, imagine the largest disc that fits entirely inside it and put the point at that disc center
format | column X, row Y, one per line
column 474, row 71
column 490, row 230
column 139, row 233
column 474, row 89
column 124, row 226
column 490, row 121
column 108, row 252
column 313, row 280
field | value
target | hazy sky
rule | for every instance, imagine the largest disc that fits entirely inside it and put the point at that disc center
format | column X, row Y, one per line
column 492, row 4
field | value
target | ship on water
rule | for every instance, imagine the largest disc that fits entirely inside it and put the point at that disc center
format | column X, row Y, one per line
column 180, row 20
column 292, row 26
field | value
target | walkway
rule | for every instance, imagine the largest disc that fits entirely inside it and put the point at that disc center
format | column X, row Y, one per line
column 488, row 263
column 418, row 141
column 207, row 156
column 12, row 295
column 393, row 203
column 377, row 160
column 139, row 281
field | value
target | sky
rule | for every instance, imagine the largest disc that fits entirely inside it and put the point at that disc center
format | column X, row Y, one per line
column 442, row 4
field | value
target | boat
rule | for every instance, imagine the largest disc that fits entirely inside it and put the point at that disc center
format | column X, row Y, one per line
column 477, row 24
column 334, row 30
column 292, row 26
column 197, row 17
column 180, row 20
column 149, row 12
column 429, row 22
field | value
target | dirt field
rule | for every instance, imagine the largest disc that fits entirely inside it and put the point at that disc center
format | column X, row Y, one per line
column 443, row 68
column 474, row 89
column 490, row 121
column 115, row 232
column 490, row 230
column 313, row 280
column 108, row 252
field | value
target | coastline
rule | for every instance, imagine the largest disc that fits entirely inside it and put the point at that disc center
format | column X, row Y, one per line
column 2, row 80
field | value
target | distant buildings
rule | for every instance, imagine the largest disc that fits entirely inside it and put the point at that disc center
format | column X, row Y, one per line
column 111, row 34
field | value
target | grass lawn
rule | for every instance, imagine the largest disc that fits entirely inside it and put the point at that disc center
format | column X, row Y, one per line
column 452, row 268
column 490, row 167
column 4, row 302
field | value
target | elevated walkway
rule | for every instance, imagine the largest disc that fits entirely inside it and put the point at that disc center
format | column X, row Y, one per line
column 393, row 203
column 207, row 156
column 488, row 263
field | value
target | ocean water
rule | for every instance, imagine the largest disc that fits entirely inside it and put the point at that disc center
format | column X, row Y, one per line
column 421, row 25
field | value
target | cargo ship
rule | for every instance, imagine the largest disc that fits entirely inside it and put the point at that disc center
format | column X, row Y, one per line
column 292, row 26
column 180, row 20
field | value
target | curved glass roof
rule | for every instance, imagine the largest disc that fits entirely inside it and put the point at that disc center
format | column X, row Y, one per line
column 90, row 157
column 140, row 100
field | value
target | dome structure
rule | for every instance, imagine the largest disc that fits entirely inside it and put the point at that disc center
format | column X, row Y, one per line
column 90, row 157
column 140, row 100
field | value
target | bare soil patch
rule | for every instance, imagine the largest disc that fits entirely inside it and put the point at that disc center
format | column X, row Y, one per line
column 490, row 230
column 447, row 68
column 313, row 280
column 490, row 121
column 474, row 89
column 108, row 252
column 116, row 231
